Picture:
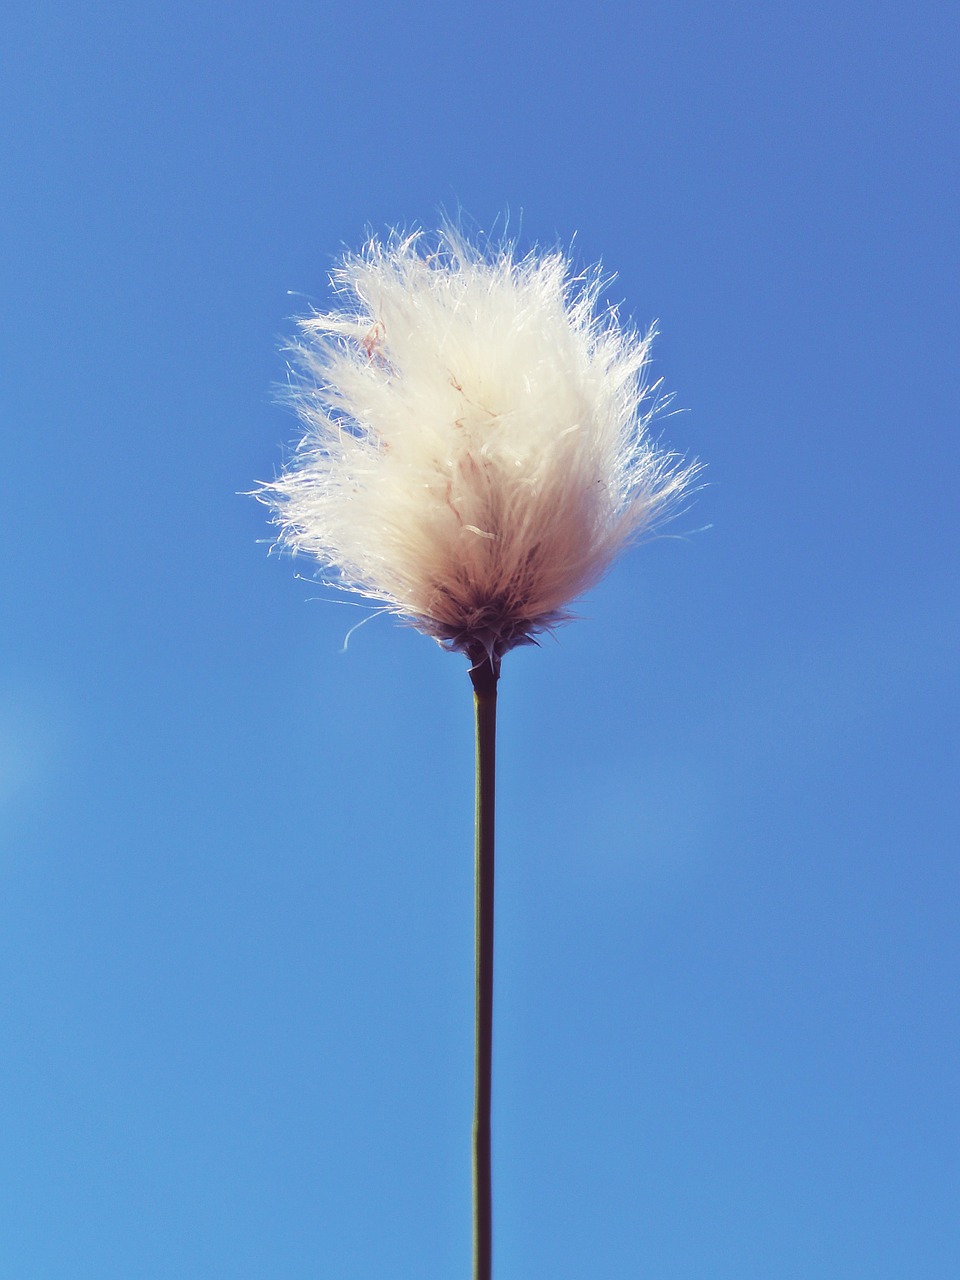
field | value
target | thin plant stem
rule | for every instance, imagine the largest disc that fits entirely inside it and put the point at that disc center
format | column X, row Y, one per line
column 484, row 675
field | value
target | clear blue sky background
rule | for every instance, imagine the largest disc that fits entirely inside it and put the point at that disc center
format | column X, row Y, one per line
column 236, row 881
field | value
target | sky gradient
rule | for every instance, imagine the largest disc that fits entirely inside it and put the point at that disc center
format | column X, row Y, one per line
column 236, row 862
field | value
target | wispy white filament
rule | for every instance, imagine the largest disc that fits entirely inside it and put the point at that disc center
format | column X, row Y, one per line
column 477, row 446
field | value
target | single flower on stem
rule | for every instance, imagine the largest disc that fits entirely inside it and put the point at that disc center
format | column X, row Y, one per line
column 477, row 446
column 477, row 452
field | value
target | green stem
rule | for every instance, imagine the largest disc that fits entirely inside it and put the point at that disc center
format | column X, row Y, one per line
column 484, row 675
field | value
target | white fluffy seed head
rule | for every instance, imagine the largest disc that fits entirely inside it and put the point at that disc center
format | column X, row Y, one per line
column 477, row 446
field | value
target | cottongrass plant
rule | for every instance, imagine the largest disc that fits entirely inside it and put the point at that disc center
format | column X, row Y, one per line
column 477, row 452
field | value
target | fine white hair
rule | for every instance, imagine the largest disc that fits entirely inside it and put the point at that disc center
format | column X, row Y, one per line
column 477, row 445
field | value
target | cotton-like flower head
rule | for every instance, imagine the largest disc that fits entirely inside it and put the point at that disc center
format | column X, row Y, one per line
column 477, row 446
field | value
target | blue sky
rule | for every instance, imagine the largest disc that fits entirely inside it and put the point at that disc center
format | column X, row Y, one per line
column 235, row 863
